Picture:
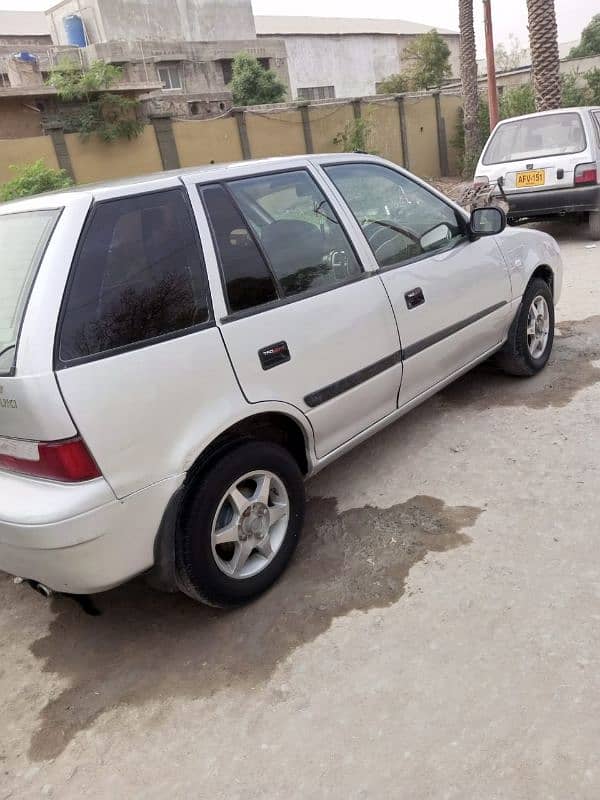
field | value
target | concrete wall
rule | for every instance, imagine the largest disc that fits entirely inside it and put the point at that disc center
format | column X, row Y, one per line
column 24, row 151
column 187, row 20
column 270, row 131
column 19, row 118
column 94, row 160
column 211, row 141
column 353, row 64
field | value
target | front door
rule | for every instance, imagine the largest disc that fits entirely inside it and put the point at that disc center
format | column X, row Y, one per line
column 450, row 295
column 306, row 325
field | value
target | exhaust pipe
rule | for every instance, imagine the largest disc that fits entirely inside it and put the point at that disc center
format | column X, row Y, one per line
column 41, row 588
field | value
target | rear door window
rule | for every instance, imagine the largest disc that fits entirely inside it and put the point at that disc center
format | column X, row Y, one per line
column 23, row 239
column 138, row 276
column 536, row 137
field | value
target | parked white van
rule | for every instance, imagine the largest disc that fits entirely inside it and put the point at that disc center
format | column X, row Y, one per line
column 179, row 352
column 547, row 164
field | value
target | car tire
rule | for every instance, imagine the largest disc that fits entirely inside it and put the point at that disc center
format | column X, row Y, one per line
column 531, row 334
column 594, row 225
column 240, row 525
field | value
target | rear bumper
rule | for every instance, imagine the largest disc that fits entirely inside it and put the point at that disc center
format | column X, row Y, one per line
column 554, row 201
column 89, row 552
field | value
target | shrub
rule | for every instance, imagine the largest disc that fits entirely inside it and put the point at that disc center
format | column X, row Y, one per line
column 252, row 85
column 33, row 179
column 356, row 136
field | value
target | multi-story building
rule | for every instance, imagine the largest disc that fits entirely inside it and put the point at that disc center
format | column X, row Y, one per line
column 176, row 57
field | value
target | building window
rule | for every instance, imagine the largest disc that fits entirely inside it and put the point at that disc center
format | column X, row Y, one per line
column 170, row 75
column 265, row 63
column 227, row 70
column 316, row 93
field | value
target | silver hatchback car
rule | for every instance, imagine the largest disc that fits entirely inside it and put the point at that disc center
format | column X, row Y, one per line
column 179, row 352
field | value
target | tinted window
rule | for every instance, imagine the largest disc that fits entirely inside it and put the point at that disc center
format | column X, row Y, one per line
column 298, row 230
column 400, row 219
column 248, row 281
column 139, row 274
column 23, row 238
column 552, row 134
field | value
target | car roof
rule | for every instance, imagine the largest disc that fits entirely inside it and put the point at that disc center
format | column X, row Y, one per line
column 577, row 109
column 158, row 180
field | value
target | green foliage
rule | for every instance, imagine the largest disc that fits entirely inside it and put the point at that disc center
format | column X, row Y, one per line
column 429, row 55
column 111, row 116
column 581, row 89
column 252, row 85
column 590, row 40
column 356, row 136
column 32, row 179
column 72, row 83
column 395, row 84
column 517, row 102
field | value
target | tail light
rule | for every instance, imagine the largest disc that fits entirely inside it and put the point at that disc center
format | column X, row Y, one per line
column 586, row 174
column 68, row 461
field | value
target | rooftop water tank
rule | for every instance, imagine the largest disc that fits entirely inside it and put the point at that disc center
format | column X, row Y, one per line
column 74, row 30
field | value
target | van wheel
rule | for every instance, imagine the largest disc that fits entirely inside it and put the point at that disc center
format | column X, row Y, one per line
column 241, row 525
column 531, row 335
column 594, row 225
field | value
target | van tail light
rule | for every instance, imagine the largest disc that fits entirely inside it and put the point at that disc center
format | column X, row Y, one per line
column 586, row 175
column 68, row 461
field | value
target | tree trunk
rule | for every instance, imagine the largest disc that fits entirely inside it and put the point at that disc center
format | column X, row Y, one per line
column 543, row 36
column 468, row 76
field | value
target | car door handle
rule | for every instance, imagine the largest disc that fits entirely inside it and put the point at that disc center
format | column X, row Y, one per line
column 414, row 298
column 273, row 355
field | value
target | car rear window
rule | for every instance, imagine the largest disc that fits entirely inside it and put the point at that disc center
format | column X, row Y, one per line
column 549, row 135
column 23, row 239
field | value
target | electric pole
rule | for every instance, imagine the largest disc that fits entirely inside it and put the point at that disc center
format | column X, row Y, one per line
column 491, row 64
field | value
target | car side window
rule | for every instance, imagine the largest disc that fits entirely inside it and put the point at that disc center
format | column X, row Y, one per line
column 246, row 276
column 299, row 232
column 138, row 275
column 400, row 219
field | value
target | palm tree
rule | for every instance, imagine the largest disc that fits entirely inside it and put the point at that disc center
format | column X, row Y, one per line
column 543, row 35
column 468, row 76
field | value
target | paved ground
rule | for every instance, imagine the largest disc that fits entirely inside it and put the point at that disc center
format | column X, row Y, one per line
column 436, row 637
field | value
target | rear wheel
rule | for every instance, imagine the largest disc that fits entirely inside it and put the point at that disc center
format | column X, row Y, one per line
column 241, row 526
column 594, row 225
column 531, row 335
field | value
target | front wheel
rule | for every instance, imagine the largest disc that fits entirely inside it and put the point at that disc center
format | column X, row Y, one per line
column 241, row 525
column 531, row 335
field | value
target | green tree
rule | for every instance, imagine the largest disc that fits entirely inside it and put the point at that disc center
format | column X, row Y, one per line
column 590, row 40
column 97, row 110
column 252, row 85
column 394, row 84
column 593, row 80
column 429, row 60
column 32, row 179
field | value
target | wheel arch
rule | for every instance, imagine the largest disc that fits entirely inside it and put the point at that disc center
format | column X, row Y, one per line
column 546, row 273
column 268, row 425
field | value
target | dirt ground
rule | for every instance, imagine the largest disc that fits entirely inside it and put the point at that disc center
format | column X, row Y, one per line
column 437, row 635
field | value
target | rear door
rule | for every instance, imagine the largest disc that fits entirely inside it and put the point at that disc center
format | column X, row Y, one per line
column 537, row 153
column 140, row 362
column 305, row 323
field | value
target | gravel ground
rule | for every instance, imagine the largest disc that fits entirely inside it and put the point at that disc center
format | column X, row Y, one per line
column 436, row 637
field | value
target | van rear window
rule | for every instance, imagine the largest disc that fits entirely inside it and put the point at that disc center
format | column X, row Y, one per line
column 23, row 239
column 536, row 137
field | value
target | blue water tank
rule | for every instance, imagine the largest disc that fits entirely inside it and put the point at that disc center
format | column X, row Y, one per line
column 23, row 56
column 74, row 30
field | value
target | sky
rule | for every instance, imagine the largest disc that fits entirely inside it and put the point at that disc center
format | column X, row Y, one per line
column 510, row 16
